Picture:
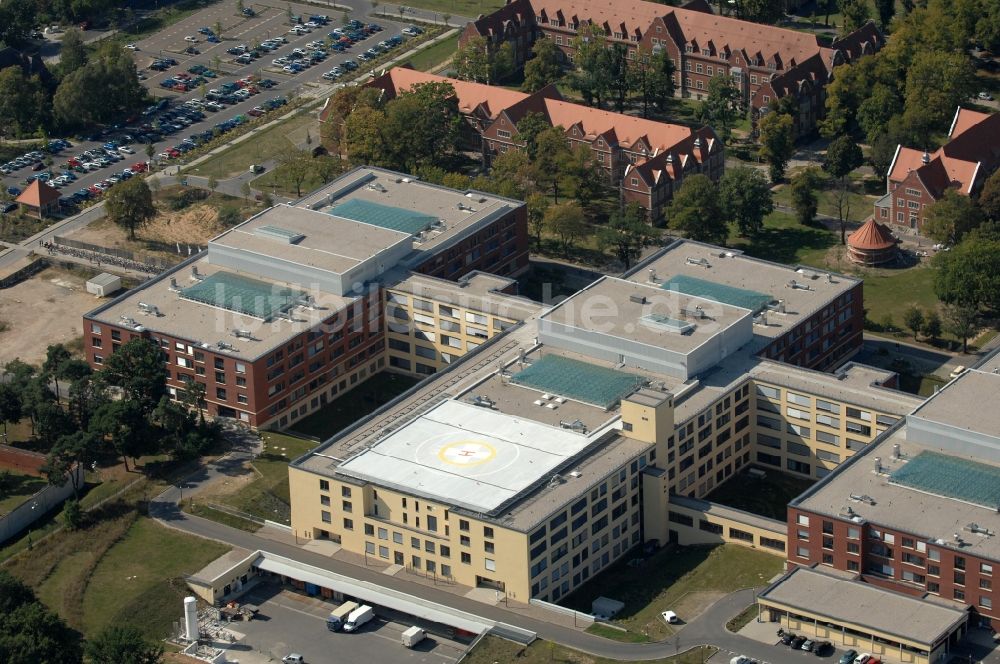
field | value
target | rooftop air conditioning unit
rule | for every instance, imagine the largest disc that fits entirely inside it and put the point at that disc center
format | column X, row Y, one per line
column 637, row 299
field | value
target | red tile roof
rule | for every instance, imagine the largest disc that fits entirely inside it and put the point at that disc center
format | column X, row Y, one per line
column 38, row 195
column 871, row 237
column 470, row 95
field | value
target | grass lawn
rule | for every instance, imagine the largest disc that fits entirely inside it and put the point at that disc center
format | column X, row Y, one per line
column 261, row 147
column 742, row 618
column 860, row 204
column 140, row 579
column 352, row 406
column 891, row 292
column 432, row 56
column 16, row 488
column 785, row 240
column 276, row 181
column 226, row 519
column 767, row 497
column 493, row 649
column 666, row 577
column 267, row 496
column 470, row 8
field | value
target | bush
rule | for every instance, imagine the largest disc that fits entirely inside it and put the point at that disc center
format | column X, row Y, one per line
column 186, row 198
column 229, row 215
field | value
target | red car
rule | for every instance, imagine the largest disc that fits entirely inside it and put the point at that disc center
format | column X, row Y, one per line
column 138, row 167
column 94, row 190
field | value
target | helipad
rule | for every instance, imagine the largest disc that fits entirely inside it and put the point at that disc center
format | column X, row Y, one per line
column 467, row 455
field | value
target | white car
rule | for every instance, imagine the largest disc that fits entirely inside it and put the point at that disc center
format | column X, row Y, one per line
column 92, row 166
column 132, row 47
column 191, row 38
column 126, row 150
column 670, row 617
column 279, row 61
column 289, row 69
column 311, row 24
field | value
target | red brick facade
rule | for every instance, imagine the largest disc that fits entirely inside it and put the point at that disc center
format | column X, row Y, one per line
column 890, row 558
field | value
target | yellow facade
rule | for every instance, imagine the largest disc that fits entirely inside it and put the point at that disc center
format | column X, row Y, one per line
column 424, row 336
column 845, row 635
column 713, row 524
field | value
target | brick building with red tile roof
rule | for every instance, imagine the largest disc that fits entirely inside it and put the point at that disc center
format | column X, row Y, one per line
column 917, row 178
column 766, row 62
column 647, row 159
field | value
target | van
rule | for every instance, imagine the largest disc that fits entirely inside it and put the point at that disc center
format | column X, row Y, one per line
column 335, row 621
column 413, row 636
column 358, row 617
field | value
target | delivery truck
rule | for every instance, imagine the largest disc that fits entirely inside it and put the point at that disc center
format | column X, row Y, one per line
column 358, row 617
column 413, row 636
column 335, row 621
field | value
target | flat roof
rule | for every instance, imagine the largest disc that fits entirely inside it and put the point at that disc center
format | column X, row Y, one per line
column 384, row 216
column 686, row 259
column 478, row 291
column 455, row 213
column 646, row 313
column 848, row 601
column 908, row 507
column 203, row 322
column 310, row 238
column 467, row 455
column 960, row 403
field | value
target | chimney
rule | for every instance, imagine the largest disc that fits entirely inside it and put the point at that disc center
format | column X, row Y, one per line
column 926, row 158
column 697, row 142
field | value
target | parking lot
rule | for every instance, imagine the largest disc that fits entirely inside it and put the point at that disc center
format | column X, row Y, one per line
column 290, row 622
column 268, row 22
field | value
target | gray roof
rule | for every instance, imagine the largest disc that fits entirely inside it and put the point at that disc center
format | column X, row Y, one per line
column 848, row 601
column 960, row 403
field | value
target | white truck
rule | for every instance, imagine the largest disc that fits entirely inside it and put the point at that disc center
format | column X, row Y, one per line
column 413, row 636
column 335, row 621
column 358, row 617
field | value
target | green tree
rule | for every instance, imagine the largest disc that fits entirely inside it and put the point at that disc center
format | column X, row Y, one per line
column 760, row 11
column 969, row 274
column 296, row 167
column 722, row 105
column 886, row 9
column 875, row 112
column 844, row 95
column 502, row 63
column 653, row 79
column 843, row 155
column 932, row 326
column 566, row 222
column 70, row 450
column 218, row 29
column 883, row 147
column 777, row 143
column 528, row 129
column 72, row 514
column 745, row 196
column 362, row 139
column 591, row 77
column 551, row 161
column 949, row 218
column 31, row 633
column 855, row 13
column 130, row 205
column 914, row 319
column 23, row 103
column 538, row 205
column 697, row 212
column 74, row 103
column 988, row 27
column 617, row 68
column 513, row 169
column 962, row 321
column 72, row 54
column 626, row 233
column 544, row 68
column 56, row 356
column 936, row 83
column 472, row 61
column 123, row 644
column 137, row 369
column 422, row 126
column 804, row 197
column 588, row 178
column 989, row 197
column 11, row 409
column 125, row 426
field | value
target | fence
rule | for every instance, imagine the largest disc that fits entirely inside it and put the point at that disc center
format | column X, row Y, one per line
column 37, row 506
column 28, row 270
column 156, row 262
column 579, row 618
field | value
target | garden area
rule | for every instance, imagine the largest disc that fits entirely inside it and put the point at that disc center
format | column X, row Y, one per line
column 683, row 579
column 767, row 497
column 493, row 649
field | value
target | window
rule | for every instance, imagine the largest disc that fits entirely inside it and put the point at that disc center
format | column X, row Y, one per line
column 487, row 532
column 490, row 564
column 324, row 485
column 466, row 558
column 325, row 516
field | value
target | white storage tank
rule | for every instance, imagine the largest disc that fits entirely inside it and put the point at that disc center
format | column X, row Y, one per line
column 104, row 284
column 191, row 618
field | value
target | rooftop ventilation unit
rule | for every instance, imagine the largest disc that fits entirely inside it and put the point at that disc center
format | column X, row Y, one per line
column 637, row 299
column 307, row 301
column 697, row 312
column 777, row 306
column 377, row 186
column 799, row 286
column 575, row 425
column 462, row 207
column 760, row 319
column 575, row 473
column 979, row 530
column 896, row 451
column 878, row 465
column 223, row 345
column 652, row 276
column 173, row 285
column 407, row 180
column 243, row 334
column 863, row 498
column 194, row 273
column 959, row 542
column 128, row 321
column 556, row 480
column 149, row 309
column 483, row 402
column 698, row 260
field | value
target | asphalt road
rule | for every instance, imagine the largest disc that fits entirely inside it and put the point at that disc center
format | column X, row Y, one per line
column 270, row 22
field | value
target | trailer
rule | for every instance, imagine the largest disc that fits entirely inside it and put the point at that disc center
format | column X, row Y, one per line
column 335, row 621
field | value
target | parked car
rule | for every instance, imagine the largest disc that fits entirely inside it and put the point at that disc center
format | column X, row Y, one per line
column 786, row 639
column 797, row 642
column 8, row 207
column 808, row 645
column 848, row 657
column 863, row 658
column 985, row 96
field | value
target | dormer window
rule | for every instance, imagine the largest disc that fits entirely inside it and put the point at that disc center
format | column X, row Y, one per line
column 706, row 51
column 600, row 142
column 688, row 48
column 618, row 35
column 772, row 66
